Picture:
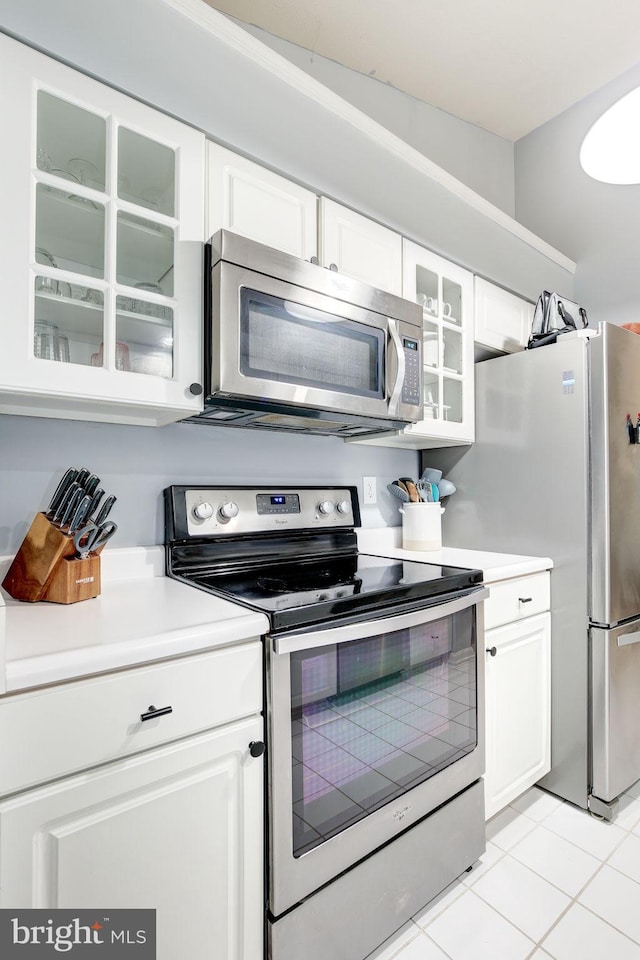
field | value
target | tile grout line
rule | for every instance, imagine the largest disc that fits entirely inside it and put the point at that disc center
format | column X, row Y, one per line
column 538, row 944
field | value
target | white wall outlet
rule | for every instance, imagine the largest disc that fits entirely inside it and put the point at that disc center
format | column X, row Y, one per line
column 369, row 490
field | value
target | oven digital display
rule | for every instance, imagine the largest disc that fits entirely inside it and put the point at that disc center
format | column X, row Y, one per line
column 277, row 503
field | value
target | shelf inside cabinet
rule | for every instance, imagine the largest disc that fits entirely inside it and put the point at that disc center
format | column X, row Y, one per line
column 145, row 252
column 77, row 317
column 151, row 331
column 146, row 172
column 71, row 230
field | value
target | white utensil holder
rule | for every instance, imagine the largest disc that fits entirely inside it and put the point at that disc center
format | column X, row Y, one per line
column 421, row 526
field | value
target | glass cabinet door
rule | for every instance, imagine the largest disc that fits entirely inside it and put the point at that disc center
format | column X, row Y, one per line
column 445, row 292
column 102, row 261
column 104, row 285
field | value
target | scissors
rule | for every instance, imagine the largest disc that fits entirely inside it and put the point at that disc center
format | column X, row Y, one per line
column 91, row 537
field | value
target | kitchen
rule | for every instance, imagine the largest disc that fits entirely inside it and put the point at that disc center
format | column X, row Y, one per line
column 145, row 460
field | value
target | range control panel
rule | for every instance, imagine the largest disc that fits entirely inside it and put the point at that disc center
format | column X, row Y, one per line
column 230, row 511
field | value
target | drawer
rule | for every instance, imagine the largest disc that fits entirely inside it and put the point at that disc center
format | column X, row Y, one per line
column 66, row 728
column 511, row 600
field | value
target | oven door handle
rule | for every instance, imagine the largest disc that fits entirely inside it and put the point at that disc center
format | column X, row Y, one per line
column 324, row 637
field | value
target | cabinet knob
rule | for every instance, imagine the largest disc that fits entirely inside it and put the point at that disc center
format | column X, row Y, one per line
column 256, row 748
column 333, row 267
column 195, row 389
column 314, row 260
column 492, row 651
column 155, row 712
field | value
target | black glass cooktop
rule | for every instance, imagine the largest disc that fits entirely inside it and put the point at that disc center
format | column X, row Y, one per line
column 312, row 591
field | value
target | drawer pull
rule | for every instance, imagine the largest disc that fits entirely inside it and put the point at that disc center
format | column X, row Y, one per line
column 492, row 651
column 256, row 748
column 525, row 599
column 155, row 712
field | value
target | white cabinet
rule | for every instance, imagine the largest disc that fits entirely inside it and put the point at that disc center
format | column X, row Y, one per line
column 502, row 320
column 359, row 247
column 517, row 689
column 102, row 263
column 176, row 827
column 256, row 203
column 445, row 292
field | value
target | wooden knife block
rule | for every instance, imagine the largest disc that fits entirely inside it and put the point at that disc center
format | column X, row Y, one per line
column 46, row 567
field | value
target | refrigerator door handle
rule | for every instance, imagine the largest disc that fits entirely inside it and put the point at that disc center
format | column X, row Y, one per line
column 627, row 638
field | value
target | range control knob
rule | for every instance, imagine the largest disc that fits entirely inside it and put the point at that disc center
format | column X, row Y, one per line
column 228, row 511
column 325, row 507
column 202, row 511
column 343, row 506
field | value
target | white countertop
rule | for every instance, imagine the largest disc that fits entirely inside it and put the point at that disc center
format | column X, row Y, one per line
column 143, row 615
column 385, row 541
column 140, row 616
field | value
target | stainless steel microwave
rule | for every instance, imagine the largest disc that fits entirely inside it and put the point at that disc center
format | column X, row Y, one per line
column 290, row 345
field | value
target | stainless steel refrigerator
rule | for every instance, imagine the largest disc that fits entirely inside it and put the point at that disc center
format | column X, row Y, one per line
column 555, row 471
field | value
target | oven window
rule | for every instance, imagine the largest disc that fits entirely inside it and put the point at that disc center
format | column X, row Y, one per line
column 372, row 718
column 293, row 343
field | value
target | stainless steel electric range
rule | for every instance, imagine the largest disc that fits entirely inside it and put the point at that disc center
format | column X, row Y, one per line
column 374, row 709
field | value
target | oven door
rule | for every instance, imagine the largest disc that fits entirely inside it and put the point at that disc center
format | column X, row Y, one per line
column 371, row 726
column 275, row 341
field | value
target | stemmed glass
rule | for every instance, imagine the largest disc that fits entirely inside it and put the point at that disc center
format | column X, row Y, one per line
column 85, row 173
column 84, row 170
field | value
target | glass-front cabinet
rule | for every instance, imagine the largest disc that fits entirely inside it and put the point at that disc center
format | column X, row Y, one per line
column 101, row 249
column 445, row 293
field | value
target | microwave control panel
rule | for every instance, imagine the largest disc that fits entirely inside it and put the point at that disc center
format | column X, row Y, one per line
column 411, row 388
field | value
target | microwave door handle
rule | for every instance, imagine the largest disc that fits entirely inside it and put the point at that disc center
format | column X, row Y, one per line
column 394, row 399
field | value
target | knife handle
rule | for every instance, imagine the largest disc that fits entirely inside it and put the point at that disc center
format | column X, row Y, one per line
column 68, row 477
column 64, row 503
column 105, row 509
column 91, row 484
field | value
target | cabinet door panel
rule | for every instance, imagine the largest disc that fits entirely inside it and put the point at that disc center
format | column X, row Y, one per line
column 518, row 687
column 254, row 202
column 103, row 259
column 360, row 247
column 502, row 320
column 178, row 829
column 445, row 292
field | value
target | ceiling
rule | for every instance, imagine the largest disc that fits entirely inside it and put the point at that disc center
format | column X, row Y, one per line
column 506, row 65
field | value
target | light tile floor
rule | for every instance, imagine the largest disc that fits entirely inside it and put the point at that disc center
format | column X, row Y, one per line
column 554, row 883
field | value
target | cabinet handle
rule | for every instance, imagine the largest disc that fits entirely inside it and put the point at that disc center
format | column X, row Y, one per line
column 256, row 748
column 492, row 651
column 525, row 599
column 155, row 712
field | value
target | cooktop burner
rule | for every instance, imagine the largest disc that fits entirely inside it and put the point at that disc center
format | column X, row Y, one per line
column 292, row 557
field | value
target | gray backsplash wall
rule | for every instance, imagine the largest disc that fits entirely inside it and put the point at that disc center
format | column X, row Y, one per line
column 137, row 463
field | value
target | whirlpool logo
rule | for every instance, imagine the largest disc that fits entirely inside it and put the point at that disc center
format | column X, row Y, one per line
column 46, row 933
